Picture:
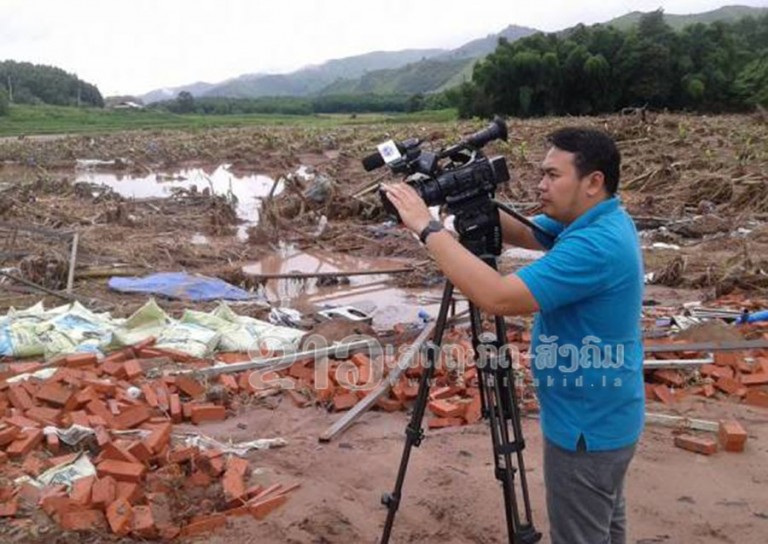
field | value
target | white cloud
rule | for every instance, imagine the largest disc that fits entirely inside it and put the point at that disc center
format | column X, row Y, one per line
column 133, row 47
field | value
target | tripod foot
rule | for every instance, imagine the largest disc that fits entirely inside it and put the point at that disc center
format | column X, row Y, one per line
column 527, row 535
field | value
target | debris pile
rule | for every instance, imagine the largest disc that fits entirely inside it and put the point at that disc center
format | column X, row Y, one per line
column 93, row 444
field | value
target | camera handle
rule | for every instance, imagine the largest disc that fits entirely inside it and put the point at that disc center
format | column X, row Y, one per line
column 499, row 402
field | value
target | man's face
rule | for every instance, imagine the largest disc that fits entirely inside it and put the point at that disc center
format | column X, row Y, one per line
column 563, row 195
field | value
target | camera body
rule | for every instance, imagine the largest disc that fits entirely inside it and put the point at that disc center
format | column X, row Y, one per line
column 467, row 175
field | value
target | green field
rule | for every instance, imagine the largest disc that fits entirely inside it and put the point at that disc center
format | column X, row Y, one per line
column 30, row 120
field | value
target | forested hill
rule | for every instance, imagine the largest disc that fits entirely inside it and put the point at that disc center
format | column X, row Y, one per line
column 27, row 83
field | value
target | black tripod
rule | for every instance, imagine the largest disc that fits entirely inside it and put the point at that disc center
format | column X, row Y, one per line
column 479, row 231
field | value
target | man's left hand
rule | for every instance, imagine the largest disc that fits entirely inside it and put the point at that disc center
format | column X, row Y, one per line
column 412, row 209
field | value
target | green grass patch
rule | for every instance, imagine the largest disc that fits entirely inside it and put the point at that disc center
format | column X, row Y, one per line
column 30, row 120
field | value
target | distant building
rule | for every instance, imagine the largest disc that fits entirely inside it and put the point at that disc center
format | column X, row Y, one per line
column 128, row 105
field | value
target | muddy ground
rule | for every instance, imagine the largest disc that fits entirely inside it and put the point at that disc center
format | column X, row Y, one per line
column 698, row 185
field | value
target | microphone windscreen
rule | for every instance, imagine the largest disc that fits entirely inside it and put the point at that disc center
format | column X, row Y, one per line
column 373, row 161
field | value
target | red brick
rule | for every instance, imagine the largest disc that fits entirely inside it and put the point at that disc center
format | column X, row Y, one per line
column 132, row 417
column 143, row 523
column 441, row 422
column 202, row 413
column 181, row 454
column 189, row 386
column 3, row 458
column 20, row 398
column 81, row 490
column 103, row 492
column 52, row 443
column 234, row 487
column 727, row 358
column 732, row 435
column 112, row 451
column 34, row 466
column 147, row 342
column 129, row 491
column 8, row 434
column 46, row 416
column 8, row 509
column 705, row 446
column 730, row 386
column 389, row 405
column 21, row 422
column 120, row 517
column 141, row 451
column 445, row 409
column 117, row 357
column 473, row 412
column 121, row 471
column 149, row 395
column 98, row 408
column 669, row 377
column 761, row 378
column 159, row 438
column 82, row 520
column 175, row 408
column 25, row 443
column 716, row 372
column 101, row 387
column 229, row 381
column 204, row 525
column 81, row 359
column 133, row 369
column 755, row 397
column 57, row 395
column 344, row 400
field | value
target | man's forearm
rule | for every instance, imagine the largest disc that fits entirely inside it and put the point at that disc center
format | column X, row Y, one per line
column 518, row 234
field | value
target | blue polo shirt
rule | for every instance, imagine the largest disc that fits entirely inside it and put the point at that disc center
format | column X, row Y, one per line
column 587, row 354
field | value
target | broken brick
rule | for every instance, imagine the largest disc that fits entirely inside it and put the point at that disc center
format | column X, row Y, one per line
column 704, row 446
column 120, row 516
column 445, row 409
column 143, row 522
column 344, row 401
column 81, row 490
column 159, row 438
column 103, row 492
column 25, row 443
column 189, row 386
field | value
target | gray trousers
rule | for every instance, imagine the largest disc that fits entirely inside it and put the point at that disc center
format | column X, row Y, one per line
column 585, row 494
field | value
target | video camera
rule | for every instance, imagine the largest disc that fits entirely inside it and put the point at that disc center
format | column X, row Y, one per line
column 467, row 175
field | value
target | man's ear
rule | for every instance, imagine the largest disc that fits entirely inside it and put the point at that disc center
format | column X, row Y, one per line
column 595, row 183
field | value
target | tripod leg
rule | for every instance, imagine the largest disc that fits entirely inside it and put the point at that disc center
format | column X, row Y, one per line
column 414, row 432
column 497, row 384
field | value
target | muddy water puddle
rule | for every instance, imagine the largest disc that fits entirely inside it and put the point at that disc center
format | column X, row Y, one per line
column 312, row 280
column 247, row 190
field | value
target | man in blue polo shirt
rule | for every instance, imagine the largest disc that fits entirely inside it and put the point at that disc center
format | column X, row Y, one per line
column 587, row 350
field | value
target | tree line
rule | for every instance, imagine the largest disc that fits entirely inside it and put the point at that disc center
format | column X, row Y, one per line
column 717, row 67
column 185, row 102
column 27, row 83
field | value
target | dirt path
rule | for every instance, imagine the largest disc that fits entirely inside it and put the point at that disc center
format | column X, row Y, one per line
column 674, row 496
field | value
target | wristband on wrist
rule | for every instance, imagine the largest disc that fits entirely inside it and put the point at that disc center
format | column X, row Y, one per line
column 432, row 227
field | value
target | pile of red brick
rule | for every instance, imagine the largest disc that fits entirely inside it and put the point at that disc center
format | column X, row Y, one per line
column 145, row 485
column 733, row 375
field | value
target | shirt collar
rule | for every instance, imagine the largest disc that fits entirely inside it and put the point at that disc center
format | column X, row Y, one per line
column 607, row 206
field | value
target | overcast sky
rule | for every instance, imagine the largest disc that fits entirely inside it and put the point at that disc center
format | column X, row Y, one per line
column 134, row 47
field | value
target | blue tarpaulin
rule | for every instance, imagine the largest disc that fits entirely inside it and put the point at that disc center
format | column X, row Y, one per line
column 181, row 285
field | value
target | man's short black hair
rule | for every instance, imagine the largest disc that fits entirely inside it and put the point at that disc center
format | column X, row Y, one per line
column 594, row 151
